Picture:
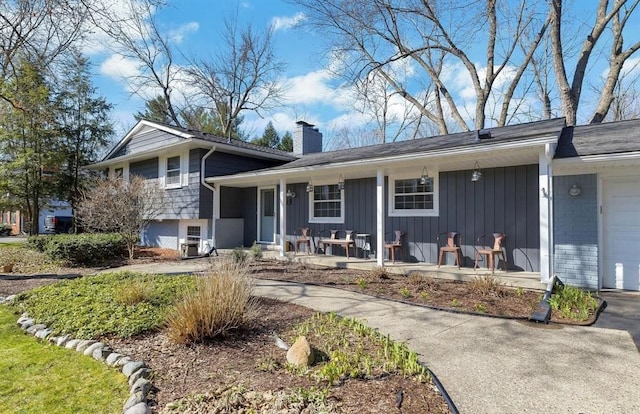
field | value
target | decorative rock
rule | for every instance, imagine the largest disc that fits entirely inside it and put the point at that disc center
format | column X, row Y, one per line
column 10, row 298
column 35, row 328
column 101, row 353
column 71, row 344
column 84, row 344
column 123, row 361
column 113, row 358
column 89, row 350
column 141, row 385
column 63, row 340
column 135, row 398
column 300, row 352
column 22, row 318
column 140, row 408
column 43, row 333
column 132, row 367
column 27, row 323
column 141, row 373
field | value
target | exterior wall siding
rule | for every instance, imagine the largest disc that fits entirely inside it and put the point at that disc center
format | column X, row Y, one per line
column 147, row 141
column 147, row 168
column 161, row 234
column 576, row 230
column 505, row 200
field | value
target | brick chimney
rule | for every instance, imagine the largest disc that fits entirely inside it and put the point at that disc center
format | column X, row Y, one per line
column 306, row 139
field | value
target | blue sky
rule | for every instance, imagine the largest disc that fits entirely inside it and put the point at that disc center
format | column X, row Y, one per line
column 311, row 93
column 314, row 94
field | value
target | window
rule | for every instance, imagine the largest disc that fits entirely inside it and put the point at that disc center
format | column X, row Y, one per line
column 409, row 197
column 118, row 172
column 14, row 219
column 193, row 234
column 326, row 204
column 173, row 174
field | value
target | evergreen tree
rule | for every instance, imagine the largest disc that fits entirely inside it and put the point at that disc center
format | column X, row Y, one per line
column 85, row 127
column 29, row 144
column 156, row 110
column 269, row 138
column 286, row 143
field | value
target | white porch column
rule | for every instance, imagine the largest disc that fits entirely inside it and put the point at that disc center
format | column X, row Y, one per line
column 380, row 217
column 282, row 198
column 545, row 193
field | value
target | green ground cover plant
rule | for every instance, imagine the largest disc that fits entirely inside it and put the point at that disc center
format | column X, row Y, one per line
column 94, row 306
column 40, row 378
column 573, row 303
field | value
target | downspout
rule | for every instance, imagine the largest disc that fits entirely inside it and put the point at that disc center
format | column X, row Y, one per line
column 213, row 195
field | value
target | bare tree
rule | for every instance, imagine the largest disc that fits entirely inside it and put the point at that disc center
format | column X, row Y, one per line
column 243, row 76
column 124, row 207
column 436, row 38
column 609, row 19
column 38, row 30
column 137, row 36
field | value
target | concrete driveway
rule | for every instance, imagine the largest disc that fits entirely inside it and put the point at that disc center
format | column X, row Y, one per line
column 622, row 312
column 490, row 365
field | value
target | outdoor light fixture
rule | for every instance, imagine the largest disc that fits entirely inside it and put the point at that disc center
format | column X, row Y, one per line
column 476, row 174
column 309, row 187
column 574, row 191
column 290, row 196
column 425, row 176
column 340, row 183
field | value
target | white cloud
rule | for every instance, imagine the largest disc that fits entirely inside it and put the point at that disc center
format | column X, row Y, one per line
column 178, row 35
column 311, row 88
column 287, row 22
column 118, row 67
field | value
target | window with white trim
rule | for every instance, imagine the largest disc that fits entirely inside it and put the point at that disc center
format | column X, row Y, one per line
column 410, row 196
column 326, row 204
column 173, row 175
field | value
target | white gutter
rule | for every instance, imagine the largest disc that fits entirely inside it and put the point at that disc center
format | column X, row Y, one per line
column 213, row 194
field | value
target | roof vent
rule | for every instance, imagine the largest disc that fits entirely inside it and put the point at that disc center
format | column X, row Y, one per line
column 482, row 134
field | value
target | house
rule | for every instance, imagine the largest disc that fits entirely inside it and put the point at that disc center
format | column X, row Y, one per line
column 596, row 206
column 422, row 187
column 179, row 159
column 12, row 218
column 565, row 197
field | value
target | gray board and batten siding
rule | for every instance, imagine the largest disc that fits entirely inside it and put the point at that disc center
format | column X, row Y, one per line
column 504, row 200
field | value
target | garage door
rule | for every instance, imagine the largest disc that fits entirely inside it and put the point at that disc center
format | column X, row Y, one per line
column 621, row 226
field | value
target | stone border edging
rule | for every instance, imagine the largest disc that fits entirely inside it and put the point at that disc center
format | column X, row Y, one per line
column 137, row 372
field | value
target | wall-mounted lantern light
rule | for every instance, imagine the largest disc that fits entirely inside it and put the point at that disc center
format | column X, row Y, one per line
column 425, row 176
column 340, row 183
column 476, row 174
column 290, row 196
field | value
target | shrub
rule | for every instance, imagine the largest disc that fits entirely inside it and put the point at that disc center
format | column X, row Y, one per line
column 38, row 243
column 379, row 272
column 573, row 303
column 88, row 249
column 256, row 251
column 220, row 302
column 487, row 285
column 238, row 255
column 5, row 229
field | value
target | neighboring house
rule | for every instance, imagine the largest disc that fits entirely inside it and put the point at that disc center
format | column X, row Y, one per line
column 179, row 159
column 422, row 187
column 597, row 205
column 12, row 218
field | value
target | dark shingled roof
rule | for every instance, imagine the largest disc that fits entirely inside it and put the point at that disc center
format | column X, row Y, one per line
column 233, row 142
column 509, row 133
column 598, row 139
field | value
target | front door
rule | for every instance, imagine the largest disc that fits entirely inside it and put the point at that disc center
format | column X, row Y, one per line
column 267, row 215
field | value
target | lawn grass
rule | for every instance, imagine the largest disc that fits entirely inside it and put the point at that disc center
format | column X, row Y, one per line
column 36, row 377
column 11, row 244
column 94, row 306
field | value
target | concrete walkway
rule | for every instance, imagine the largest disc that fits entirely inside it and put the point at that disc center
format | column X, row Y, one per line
column 488, row 365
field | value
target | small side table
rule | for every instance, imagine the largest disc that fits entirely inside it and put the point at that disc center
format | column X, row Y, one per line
column 365, row 245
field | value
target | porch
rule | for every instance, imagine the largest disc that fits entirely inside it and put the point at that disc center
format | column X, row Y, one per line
column 527, row 280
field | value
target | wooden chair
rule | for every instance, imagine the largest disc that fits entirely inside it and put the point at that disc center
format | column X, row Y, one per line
column 335, row 240
column 491, row 252
column 453, row 243
column 393, row 245
column 303, row 237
